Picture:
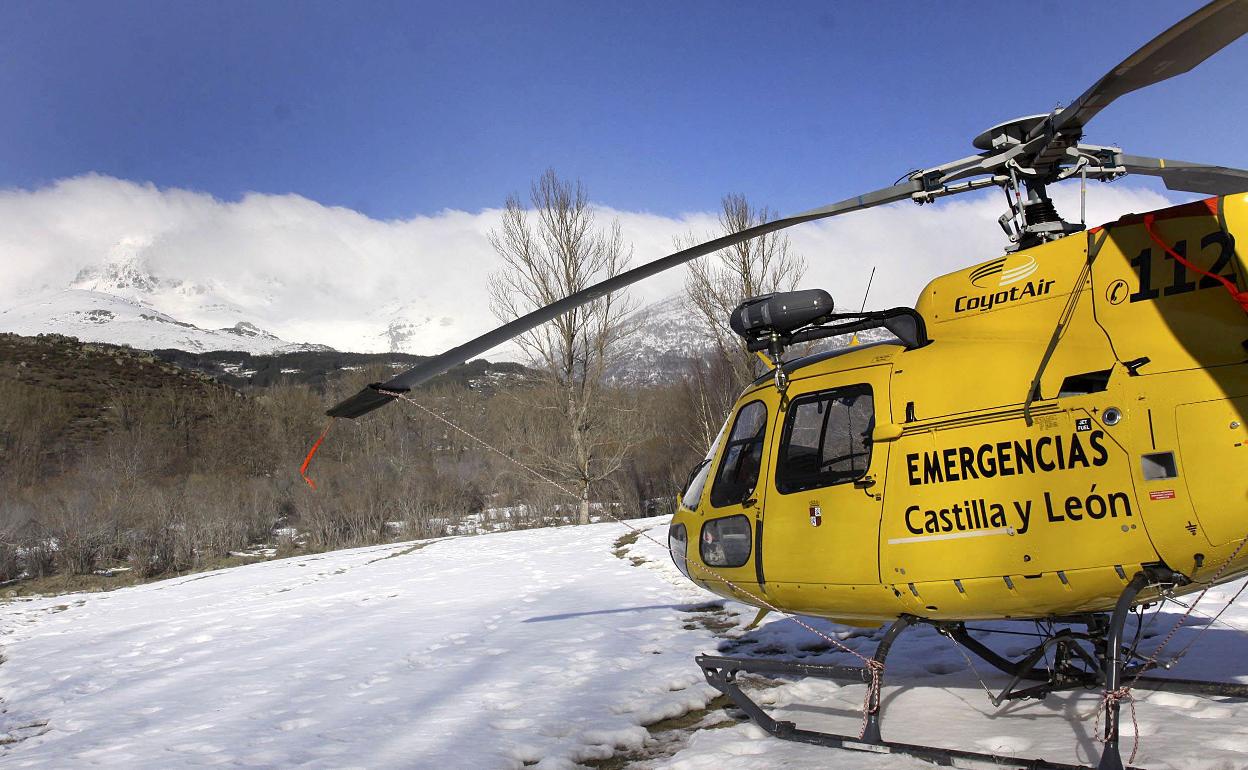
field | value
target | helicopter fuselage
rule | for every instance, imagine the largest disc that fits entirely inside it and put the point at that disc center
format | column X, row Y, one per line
column 949, row 481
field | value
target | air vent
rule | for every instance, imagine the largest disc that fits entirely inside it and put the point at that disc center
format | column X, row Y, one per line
column 1158, row 466
column 1083, row 384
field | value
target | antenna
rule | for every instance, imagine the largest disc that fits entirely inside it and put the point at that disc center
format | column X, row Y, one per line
column 853, row 340
column 868, row 291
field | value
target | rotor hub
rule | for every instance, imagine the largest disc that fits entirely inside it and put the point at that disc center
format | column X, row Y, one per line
column 1010, row 132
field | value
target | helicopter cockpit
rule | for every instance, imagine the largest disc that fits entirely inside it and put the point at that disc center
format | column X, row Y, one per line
column 809, row 433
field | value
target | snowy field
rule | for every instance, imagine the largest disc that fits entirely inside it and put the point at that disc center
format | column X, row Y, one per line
column 547, row 648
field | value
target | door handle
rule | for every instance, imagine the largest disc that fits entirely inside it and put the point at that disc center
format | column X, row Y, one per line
column 865, row 482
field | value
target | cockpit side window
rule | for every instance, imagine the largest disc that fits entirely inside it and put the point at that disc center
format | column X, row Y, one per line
column 743, row 455
column 826, row 439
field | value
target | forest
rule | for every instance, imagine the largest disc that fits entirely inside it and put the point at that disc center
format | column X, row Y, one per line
column 111, row 459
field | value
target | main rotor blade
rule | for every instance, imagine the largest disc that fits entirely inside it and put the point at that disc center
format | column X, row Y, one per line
column 1171, row 53
column 1188, row 177
column 370, row 398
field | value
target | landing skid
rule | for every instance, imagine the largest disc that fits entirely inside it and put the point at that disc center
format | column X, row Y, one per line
column 1094, row 659
column 721, row 673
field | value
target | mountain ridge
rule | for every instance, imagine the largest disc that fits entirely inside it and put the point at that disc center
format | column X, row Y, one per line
column 97, row 316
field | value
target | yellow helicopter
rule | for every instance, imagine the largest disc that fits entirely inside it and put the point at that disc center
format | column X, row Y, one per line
column 1059, row 433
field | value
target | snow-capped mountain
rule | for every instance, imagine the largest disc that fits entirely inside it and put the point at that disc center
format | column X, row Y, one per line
column 123, row 302
column 211, row 304
column 95, row 316
column 664, row 341
column 668, row 338
column 403, row 327
column 209, row 314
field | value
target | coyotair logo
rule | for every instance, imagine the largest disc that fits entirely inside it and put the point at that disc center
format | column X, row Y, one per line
column 1004, row 271
column 1001, row 273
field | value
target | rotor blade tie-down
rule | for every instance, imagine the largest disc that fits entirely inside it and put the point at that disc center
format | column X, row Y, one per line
column 1240, row 297
column 303, row 469
column 871, row 702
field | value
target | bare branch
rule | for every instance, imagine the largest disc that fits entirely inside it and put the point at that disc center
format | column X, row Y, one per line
column 562, row 252
column 715, row 285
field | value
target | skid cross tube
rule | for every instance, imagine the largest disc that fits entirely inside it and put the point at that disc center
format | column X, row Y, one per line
column 1092, row 678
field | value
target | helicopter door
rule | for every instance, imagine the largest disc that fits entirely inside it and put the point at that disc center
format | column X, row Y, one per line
column 727, row 540
column 823, row 510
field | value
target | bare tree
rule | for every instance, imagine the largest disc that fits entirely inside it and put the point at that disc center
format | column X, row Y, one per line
column 715, row 285
column 32, row 421
column 549, row 252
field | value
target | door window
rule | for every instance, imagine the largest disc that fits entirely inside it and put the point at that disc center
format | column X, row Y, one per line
column 826, row 439
column 743, row 454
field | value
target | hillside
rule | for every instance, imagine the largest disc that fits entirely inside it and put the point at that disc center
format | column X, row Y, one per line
column 86, row 378
column 552, row 648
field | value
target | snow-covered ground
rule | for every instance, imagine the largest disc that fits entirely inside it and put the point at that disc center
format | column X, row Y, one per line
column 540, row 647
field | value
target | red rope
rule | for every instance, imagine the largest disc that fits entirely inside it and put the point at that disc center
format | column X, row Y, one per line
column 303, row 469
column 1240, row 297
column 1118, row 696
column 874, row 692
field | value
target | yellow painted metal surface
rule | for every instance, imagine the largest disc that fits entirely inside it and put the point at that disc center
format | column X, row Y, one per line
column 997, row 498
column 1213, row 441
column 1132, row 451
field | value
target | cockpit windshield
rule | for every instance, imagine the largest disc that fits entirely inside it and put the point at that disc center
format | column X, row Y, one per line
column 698, row 476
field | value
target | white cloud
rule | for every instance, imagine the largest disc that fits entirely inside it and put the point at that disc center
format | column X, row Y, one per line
column 309, row 272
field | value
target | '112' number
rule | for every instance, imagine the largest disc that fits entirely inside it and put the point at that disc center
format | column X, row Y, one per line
column 1181, row 281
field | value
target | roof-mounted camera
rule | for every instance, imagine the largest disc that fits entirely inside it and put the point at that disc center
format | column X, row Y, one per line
column 773, row 322
column 764, row 316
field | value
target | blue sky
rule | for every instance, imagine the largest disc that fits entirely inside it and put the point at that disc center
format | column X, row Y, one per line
column 396, row 109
